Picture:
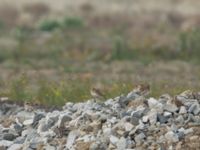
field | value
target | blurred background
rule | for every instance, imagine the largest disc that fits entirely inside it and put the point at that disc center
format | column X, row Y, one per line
column 52, row 51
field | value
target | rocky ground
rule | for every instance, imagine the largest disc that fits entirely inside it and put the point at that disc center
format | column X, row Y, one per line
column 130, row 121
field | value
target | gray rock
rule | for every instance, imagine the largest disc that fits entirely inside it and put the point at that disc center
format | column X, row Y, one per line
column 188, row 131
column 62, row 119
column 152, row 115
column 15, row 147
column 162, row 119
column 194, row 108
column 122, row 144
column 71, row 139
column 145, row 119
column 26, row 132
column 24, row 115
column 167, row 114
column 180, row 135
column 171, row 136
column 109, row 102
column 139, row 138
column 9, row 136
column 42, row 127
column 28, row 122
column 37, row 118
column 174, row 128
column 114, row 140
column 155, row 104
column 107, row 131
column 134, row 121
column 139, row 112
column 128, row 126
column 98, row 146
column 5, row 143
column 18, row 128
column 20, row 140
column 180, row 119
column 49, row 147
column 52, row 117
column 171, row 108
column 182, row 110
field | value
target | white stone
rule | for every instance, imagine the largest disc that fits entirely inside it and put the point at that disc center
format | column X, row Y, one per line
column 107, row 131
column 170, row 107
column 187, row 131
column 128, row 126
column 28, row 122
column 167, row 114
column 139, row 138
column 5, row 143
column 49, row 147
column 114, row 140
column 171, row 136
column 15, row 147
column 108, row 102
column 121, row 144
column 62, row 119
column 52, row 116
column 71, row 139
column 194, row 108
column 24, row 115
column 180, row 119
column 145, row 119
column 42, row 127
column 155, row 104
column 182, row 110
column 152, row 115
column 86, row 138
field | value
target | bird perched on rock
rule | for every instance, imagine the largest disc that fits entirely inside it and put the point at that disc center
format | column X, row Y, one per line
column 28, row 106
column 97, row 94
column 142, row 89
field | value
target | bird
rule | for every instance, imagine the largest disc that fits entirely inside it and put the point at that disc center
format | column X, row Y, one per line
column 142, row 89
column 28, row 107
column 97, row 94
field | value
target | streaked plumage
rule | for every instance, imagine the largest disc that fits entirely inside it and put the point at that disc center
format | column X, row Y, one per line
column 142, row 89
column 97, row 94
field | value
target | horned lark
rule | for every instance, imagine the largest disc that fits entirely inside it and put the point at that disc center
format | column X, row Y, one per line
column 142, row 89
column 28, row 106
column 97, row 94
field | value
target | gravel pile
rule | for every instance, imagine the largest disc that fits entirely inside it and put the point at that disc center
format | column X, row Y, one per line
column 129, row 121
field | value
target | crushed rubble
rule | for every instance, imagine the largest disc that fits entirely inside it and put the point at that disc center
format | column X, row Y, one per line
column 125, row 122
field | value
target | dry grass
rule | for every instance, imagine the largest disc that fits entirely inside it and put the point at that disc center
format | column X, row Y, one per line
column 55, row 52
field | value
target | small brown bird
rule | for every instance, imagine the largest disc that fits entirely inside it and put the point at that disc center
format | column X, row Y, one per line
column 142, row 89
column 28, row 106
column 97, row 94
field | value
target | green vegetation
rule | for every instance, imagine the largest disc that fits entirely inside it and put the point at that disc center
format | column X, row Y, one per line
column 73, row 22
column 49, row 25
column 1, row 25
column 189, row 43
column 74, row 55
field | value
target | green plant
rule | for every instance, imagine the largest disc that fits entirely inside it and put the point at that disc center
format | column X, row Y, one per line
column 57, row 93
column 18, row 89
column 50, row 93
column 189, row 44
column 121, row 50
column 1, row 24
column 49, row 25
column 73, row 22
